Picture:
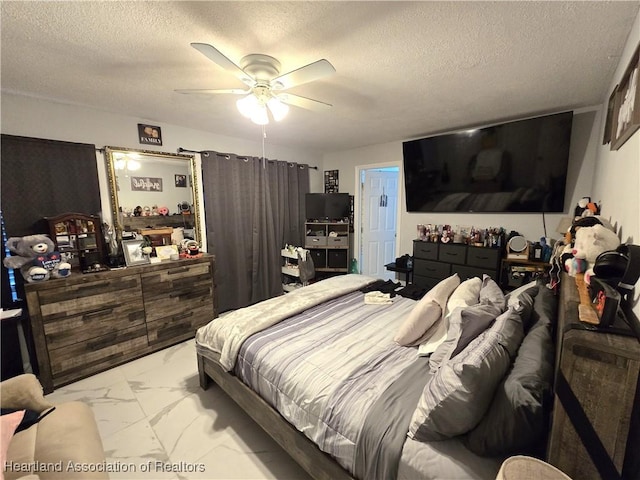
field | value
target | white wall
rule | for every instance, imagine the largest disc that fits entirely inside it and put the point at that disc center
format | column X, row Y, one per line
column 579, row 184
column 39, row 118
column 617, row 173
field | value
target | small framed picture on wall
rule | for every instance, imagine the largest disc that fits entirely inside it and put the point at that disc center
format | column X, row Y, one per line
column 331, row 181
column 626, row 109
column 181, row 180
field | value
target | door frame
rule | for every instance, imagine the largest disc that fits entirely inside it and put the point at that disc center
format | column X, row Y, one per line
column 357, row 222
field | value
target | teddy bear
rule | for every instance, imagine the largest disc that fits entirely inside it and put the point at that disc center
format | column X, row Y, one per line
column 36, row 258
column 588, row 244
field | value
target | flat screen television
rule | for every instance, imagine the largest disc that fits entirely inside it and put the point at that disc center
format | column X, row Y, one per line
column 519, row 166
column 327, row 206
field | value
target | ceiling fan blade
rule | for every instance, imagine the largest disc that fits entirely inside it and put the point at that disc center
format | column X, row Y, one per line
column 235, row 91
column 308, row 73
column 303, row 102
column 218, row 58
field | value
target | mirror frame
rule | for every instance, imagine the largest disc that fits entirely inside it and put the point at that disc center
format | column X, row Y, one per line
column 113, row 187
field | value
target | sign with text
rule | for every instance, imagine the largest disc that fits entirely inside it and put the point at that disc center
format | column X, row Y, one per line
column 149, row 134
column 146, row 184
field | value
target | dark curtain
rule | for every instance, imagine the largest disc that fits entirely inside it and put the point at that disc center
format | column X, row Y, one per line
column 252, row 209
column 43, row 178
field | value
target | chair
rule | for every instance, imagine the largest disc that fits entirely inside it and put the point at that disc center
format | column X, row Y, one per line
column 520, row 467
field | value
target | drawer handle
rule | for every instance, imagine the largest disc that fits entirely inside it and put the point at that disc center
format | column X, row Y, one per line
column 482, row 258
column 95, row 285
column 192, row 294
column 184, row 315
column 97, row 313
column 177, row 270
column 104, row 341
column 451, row 254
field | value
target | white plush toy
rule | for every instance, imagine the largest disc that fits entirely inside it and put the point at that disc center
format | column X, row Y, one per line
column 591, row 242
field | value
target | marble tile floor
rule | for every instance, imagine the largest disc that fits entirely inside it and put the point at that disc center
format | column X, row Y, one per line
column 157, row 423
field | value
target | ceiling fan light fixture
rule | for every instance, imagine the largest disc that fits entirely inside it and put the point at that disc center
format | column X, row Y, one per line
column 260, row 116
column 278, row 109
column 248, row 105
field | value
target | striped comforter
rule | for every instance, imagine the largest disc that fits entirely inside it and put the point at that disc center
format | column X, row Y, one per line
column 323, row 369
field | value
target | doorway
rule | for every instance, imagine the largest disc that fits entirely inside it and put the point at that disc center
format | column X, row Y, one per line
column 378, row 215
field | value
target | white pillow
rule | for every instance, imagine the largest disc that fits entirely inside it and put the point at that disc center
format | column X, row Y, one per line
column 437, row 335
column 421, row 318
column 467, row 293
column 426, row 312
column 443, row 290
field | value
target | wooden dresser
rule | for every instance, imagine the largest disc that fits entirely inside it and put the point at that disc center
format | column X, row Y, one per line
column 601, row 372
column 84, row 324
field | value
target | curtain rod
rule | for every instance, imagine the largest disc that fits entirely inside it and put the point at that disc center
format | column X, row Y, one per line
column 206, row 154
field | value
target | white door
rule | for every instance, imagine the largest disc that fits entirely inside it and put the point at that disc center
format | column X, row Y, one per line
column 378, row 210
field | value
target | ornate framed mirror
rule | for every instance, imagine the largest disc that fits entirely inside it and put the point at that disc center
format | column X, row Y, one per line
column 153, row 190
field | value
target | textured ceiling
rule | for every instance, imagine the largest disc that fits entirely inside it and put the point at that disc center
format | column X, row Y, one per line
column 404, row 69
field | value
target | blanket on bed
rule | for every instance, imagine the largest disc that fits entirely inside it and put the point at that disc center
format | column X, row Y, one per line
column 226, row 334
column 325, row 369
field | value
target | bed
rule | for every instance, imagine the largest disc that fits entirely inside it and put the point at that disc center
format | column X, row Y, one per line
column 318, row 370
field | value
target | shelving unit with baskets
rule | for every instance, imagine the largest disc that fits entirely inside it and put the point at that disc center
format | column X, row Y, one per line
column 329, row 243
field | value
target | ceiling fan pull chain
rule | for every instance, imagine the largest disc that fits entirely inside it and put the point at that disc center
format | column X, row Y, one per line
column 264, row 135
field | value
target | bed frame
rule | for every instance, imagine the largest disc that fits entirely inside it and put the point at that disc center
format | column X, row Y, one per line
column 314, row 461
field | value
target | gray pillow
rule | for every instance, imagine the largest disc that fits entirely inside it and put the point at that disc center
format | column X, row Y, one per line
column 466, row 323
column 518, row 415
column 545, row 308
column 491, row 294
column 459, row 393
column 522, row 299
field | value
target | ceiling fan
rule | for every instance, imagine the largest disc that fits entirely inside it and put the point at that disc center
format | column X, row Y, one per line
column 266, row 86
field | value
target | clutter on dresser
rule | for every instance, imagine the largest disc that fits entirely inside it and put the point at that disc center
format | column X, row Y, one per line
column 492, row 237
column 79, row 239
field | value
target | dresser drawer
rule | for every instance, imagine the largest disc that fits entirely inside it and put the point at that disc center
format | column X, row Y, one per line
column 84, row 358
column 176, row 275
column 428, row 268
column 425, row 282
column 425, row 250
column 173, row 328
column 452, row 253
column 465, row 272
column 483, row 257
column 127, row 311
column 177, row 298
column 87, row 297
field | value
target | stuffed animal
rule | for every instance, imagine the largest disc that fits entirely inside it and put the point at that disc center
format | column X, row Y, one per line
column 586, row 208
column 591, row 242
column 36, row 258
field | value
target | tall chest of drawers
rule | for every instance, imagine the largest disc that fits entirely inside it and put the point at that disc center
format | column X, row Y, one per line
column 84, row 324
column 433, row 262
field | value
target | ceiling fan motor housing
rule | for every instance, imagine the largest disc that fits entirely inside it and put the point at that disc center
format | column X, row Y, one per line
column 260, row 67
